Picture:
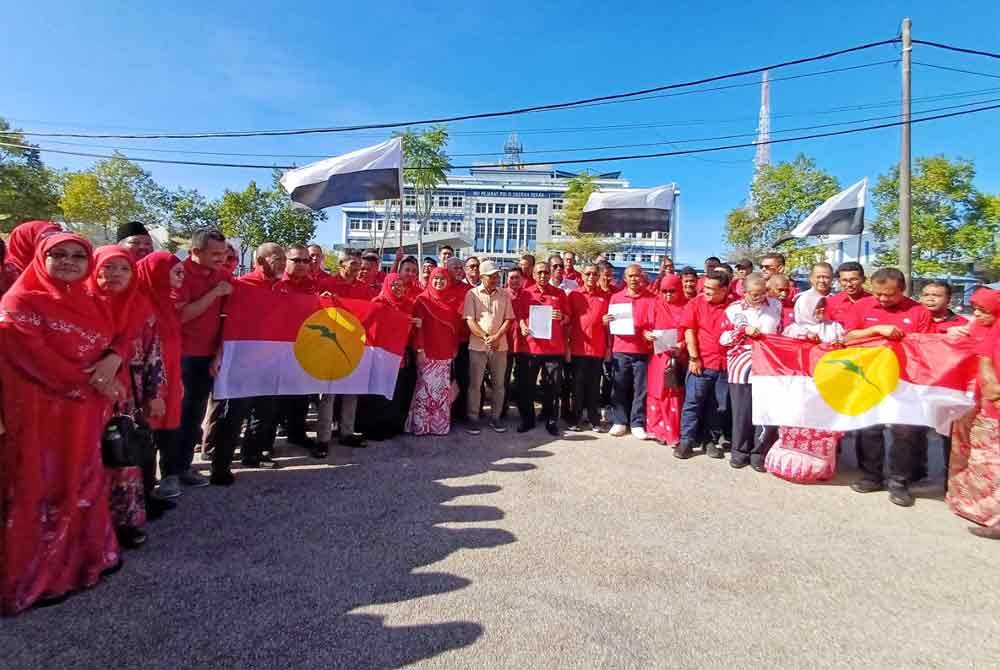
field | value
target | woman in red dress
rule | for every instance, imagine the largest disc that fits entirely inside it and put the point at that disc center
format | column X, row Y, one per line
column 664, row 403
column 56, row 534
column 436, row 343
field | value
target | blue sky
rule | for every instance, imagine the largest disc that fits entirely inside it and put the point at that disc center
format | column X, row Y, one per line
column 219, row 66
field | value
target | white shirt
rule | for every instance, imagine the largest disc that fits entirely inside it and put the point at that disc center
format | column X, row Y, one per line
column 568, row 285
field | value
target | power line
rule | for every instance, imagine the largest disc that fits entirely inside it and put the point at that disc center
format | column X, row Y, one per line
column 600, row 159
column 949, row 47
column 957, row 69
column 481, row 115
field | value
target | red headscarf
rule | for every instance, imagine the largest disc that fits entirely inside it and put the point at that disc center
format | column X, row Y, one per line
column 986, row 299
column 24, row 240
column 128, row 310
column 387, row 297
column 673, row 282
column 439, row 327
column 153, row 280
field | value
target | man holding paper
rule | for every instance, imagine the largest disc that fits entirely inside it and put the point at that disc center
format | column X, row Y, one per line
column 630, row 354
column 589, row 345
column 542, row 315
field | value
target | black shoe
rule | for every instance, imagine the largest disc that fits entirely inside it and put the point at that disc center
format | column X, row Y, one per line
column 303, row 441
column 866, row 486
column 900, row 495
column 107, row 572
column 356, row 441
column 683, row 452
column 131, row 538
column 713, row 450
column 733, row 463
column 524, row 427
column 156, row 507
column 473, row 428
column 321, row 450
column 222, row 479
column 759, row 467
column 552, row 427
column 574, row 428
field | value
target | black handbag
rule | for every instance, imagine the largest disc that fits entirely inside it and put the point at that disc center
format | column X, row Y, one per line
column 125, row 436
column 672, row 376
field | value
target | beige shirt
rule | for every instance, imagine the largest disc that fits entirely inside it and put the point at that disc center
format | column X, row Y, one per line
column 489, row 310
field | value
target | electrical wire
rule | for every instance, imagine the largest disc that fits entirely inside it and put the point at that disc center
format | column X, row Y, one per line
column 949, row 47
column 957, row 69
column 600, row 159
column 481, row 115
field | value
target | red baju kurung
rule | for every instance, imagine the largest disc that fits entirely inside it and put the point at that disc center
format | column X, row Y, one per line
column 663, row 403
column 56, row 534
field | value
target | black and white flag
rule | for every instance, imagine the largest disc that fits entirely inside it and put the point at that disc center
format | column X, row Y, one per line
column 628, row 210
column 372, row 173
column 842, row 214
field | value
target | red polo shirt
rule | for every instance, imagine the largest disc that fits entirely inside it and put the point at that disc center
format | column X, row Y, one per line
column 342, row 288
column 707, row 320
column 909, row 316
column 840, row 304
column 949, row 320
column 635, row 343
column 575, row 275
column 200, row 335
column 546, row 295
column 588, row 334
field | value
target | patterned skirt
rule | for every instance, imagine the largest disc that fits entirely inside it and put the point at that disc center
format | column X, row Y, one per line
column 803, row 455
column 974, row 472
column 430, row 411
column 663, row 415
column 128, row 501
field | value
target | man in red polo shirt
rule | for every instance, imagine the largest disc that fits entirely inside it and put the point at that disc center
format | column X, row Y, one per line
column 890, row 314
column 201, row 299
column 527, row 265
column 345, row 283
column 569, row 261
column 851, row 279
column 935, row 296
column 545, row 355
column 706, row 389
column 316, row 268
column 711, row 263
column 689, row 283
column 588, row 338
column 630, row 357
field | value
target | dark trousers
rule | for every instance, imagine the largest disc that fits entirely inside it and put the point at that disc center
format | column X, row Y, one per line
column 523, row 389
column 568, row 391
column 550, row 368
column 607, row 382
column 210, row 437
column 745, row 448
column 705, row 404
column 459, row 407
column 197, row 387
column 587, row 372
column 768, row 436
column 901, row 445
column 922, row 442
column 508, row 384
column 259, row 437
column 628, row 397
column 167, row 444
column 292, row 410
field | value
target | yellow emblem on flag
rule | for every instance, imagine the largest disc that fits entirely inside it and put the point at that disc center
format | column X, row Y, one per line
column 856, row 379
column 330, row 344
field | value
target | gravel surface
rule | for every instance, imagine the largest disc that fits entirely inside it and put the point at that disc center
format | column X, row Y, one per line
column 522, row 551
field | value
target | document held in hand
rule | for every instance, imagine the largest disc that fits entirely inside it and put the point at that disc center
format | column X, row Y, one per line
column 622, row 324
column 540, row 321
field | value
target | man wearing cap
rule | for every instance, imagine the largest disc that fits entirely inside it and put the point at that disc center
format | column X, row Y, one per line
column 488, row 311
column 134, row 237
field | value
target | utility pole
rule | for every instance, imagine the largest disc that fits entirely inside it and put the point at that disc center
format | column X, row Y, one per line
column 905, row 240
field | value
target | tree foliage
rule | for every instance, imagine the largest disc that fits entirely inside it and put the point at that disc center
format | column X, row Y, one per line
column 257, row 215
column 953, row 225
column 28, row 189
column 426, row 165
column 191, row 211
column 289, row 224
column 783, row 195
column 586, row 246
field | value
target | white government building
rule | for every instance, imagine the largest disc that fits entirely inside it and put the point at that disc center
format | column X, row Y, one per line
column 495, row 212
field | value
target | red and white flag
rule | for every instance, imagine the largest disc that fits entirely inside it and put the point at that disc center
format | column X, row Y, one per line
column 921, row 380
column 300, row 344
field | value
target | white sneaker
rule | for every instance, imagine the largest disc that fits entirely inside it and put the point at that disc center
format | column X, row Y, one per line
column 618, row 430
column 639, row 433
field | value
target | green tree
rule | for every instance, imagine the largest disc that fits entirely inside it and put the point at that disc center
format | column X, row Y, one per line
column 111, row 193
column 783, row 195
column 287, row 223
column 586, row 246
column 28, row 189
column 426, row 165
column 953, row 224
column 245, row 215
column 191, row 211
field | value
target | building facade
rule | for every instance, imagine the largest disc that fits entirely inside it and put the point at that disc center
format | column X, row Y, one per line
column 494, row 212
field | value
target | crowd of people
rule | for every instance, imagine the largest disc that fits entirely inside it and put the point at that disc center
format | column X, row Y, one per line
column 88, row 334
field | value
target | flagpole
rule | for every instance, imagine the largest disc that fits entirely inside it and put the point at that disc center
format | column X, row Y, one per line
column 859, row 244
column 905, row 239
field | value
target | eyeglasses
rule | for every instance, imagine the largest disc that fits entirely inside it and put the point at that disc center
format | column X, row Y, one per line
column 75, row 258
column 555, row 266
column 589, row 274
column 470, row 267
column 299, row 261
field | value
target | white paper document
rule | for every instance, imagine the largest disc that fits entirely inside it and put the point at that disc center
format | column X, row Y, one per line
column 622, row 324
column 665, row 340
column 540, row 321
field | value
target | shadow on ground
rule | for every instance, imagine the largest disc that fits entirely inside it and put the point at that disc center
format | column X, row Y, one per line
column 267, row 573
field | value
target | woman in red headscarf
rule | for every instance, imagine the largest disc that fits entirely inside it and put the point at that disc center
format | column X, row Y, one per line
column 158, row 275
column 56, row 534
column 665, row 375
column 436, row 343
column 21, row 246
column 379, row 418
column 974, row 467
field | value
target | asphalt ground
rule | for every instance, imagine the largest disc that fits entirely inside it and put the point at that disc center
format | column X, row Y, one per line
column 525, row 551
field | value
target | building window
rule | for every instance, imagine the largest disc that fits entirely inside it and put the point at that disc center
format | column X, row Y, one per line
column 354, row 224
column 480, row 242
column 456, row 226
column 867, row 250
column 406, row 226
column 612, row 257
column 443, row 200
column 433, row 226
column 366, row 225
column 630, row 258
column 410, row 200
column 555, row 228
column 499, row 208
column 480, row 208
column 532, row 234
column 646, row 258
column 557, row 205
column 647, row 235
column 532, row 210
column 489, row 208
column 456, row 201
column 392, row 225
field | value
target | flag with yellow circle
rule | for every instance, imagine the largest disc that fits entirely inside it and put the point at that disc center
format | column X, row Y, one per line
column 921, row 380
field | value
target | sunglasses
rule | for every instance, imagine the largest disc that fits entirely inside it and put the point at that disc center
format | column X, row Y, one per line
column 299, row 261
column 554, row 266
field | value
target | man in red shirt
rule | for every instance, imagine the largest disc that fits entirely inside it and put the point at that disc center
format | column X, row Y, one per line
column 345, row 283
column 316, row 263
column 516, row 356
column 711, row 263
column 890, row 314
column 527, row 265
column 689, row 283
column 201, row 300
column 588, row 338
column 630, row 357
column 851, row 279
column 935, row 296
column 371, row 274
column 706, row 389
column 773, row 263
column 570, row 272
column 545, row 354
